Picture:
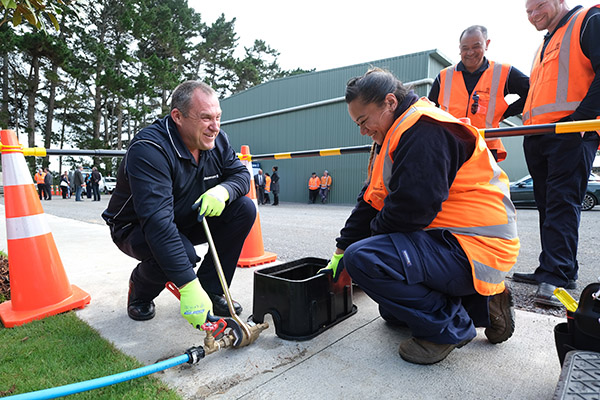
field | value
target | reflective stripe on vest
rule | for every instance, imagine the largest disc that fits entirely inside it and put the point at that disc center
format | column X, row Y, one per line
column 488, row 233
column 453, row 86
column 559, row 83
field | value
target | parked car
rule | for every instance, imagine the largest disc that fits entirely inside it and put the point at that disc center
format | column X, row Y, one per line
column 521, row 192
column 109, row 184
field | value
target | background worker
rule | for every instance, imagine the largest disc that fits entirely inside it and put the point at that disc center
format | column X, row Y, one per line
column 65, row 185
column 259, row 183
column 314, row 185
column 325, row 186
column 476, row 87
column 177, row 171
column 275, row 186
column 48, row 183
column 431, row 239
column 560, row 165
column 78, row 182
column 267, row 188
column 39, row 178
column 95, row 179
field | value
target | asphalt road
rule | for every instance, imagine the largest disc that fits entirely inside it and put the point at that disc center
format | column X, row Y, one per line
column 293, row 231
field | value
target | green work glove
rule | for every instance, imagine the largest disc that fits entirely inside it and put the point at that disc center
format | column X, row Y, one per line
column 332, row 267
column 212, row 202
column 194, row 303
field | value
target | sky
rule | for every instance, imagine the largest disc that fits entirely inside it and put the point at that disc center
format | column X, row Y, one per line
column 329, row 34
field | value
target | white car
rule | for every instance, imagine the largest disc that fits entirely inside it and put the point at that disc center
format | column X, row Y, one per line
column 109, row 184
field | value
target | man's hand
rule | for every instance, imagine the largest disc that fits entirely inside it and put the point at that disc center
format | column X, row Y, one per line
column 212, row 202
column 332, row 266
column 194, row 303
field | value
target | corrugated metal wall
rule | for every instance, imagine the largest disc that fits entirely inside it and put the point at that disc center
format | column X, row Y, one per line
column 319, row 127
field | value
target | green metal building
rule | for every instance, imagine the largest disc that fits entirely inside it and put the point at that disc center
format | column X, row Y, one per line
column 308, row 112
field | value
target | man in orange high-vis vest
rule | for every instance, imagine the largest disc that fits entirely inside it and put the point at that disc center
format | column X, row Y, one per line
column 565, row 86
column 434, row 232
column 314, row 184
column 475, row 87
column 39, row 178
column 325, row 186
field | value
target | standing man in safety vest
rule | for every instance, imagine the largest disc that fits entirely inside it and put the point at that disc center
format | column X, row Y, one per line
column 475, row 87
column 565, row 86
column 39, row 178
column 434, row 231
column 314, row 184
column 325, row 186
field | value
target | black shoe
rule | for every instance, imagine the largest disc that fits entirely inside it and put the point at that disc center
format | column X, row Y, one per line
column 220, row 306
column 545, row 295
column 502, row 318
column 532, row 280
column 137, row 309
column 141, row 310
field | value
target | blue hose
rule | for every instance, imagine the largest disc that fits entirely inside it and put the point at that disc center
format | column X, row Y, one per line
column 101, row 382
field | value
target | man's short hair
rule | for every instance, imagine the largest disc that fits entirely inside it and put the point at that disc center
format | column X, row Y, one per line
column 474, row 28
column 182, row 95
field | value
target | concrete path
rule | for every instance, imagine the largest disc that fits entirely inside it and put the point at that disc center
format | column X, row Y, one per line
column 355, row 359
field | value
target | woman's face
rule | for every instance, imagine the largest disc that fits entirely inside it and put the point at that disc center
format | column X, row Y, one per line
column 372, row 119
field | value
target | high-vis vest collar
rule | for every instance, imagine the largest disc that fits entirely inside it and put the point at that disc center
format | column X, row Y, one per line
column 562, row 78
column 490, row 106
column 478, row 210
column 487, row 100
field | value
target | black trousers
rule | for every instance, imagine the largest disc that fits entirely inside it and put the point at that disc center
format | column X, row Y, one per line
column 228, row 231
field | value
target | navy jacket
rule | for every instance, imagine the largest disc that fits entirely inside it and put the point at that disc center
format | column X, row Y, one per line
column 426, row 162
column 159, row 181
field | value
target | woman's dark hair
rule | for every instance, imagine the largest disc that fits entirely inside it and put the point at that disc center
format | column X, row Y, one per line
column 373, row 86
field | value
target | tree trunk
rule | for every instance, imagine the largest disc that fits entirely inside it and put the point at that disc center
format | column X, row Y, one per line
column 4, row 116
column 34, row 81
column 50, row 112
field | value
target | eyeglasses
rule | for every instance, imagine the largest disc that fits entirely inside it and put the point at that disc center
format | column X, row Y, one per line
column 475, row 104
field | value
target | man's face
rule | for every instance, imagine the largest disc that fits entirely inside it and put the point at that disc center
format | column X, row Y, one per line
column 200, row 127
column 545, row 14
column 472, row 50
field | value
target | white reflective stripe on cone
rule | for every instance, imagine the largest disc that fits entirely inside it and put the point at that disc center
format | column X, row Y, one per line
column 14, row 170
column 26, row 227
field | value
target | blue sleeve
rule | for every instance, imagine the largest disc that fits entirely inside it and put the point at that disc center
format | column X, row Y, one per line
column 236, row 175
column 357, row 225
column 590, row 45
column 434, row 93
column 148, row 171
column 426, row 162
column 517, row 83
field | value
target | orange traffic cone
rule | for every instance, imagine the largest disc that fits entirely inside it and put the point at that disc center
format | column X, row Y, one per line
column 38, row 282
column 253, row 252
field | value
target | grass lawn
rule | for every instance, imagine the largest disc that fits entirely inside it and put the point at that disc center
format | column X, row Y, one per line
column 61, row 350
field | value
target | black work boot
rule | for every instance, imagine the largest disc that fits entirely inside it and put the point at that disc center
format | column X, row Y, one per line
column 220, row 306
column 138, row 309
column 502, row 318
column 421, row 351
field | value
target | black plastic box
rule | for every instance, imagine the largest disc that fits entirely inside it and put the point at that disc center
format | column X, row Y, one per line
column 302, row 303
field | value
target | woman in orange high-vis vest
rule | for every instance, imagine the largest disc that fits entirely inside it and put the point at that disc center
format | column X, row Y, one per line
column 565, row 86
column 434, row 230
column 475, row 88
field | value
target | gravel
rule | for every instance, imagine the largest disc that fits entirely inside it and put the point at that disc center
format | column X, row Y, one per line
column 293, row 231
